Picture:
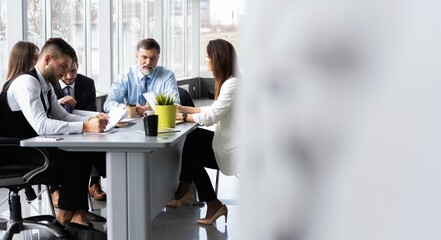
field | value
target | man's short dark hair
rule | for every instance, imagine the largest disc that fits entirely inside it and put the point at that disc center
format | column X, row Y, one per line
column 148, row 43
column 60, row 46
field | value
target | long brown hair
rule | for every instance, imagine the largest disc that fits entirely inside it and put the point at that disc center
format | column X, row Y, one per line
column 20, row 58
column 223, row 59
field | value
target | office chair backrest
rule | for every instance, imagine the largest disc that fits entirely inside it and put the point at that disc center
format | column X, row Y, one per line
column 185, row 97
column 19, row 165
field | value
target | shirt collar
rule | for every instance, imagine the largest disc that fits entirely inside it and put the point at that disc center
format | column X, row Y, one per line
column 45, row 87
column 63, row 85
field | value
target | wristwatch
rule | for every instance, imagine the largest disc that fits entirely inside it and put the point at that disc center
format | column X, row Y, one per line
column 184, row 117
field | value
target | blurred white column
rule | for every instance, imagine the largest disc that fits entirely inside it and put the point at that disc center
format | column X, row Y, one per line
column 341, row 116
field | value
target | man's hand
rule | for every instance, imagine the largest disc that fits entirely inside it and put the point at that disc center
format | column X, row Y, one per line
column 96, row 124
column 102, row 115
column 141, row 109
column 67, row 100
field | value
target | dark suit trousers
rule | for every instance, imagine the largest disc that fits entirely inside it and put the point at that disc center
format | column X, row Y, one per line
column 100, row 165
column 74, row 169
column 197, row 154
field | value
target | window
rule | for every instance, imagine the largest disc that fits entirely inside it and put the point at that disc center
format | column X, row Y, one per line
column 36, row 24
column 3, row 48
column 93, row 59
column 68, row 22
column 219, row 19
column 128, row 30
column 177, row 49
column 172, row 22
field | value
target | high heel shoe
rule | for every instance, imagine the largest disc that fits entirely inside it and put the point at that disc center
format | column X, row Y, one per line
column 222, row 211
column 187, row 198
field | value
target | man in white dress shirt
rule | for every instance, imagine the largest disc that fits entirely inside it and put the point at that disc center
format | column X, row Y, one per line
column 29, row 108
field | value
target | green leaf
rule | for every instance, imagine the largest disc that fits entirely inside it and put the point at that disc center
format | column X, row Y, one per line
column 163, row 99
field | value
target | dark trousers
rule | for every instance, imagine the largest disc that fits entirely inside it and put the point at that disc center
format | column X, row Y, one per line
column 197, row 154
column 74, row 171
column 99, row 162
column 100, row 165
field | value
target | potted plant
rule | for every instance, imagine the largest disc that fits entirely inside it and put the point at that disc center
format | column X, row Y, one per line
column 166, row 109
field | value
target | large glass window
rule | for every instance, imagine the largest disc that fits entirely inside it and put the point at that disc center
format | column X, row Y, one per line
column 67, row 17
column 3, row 48
column 36, row 16
column 133, row 20
column 131, row 33
column 150, row 18
column 68, row 20
column 94, row 40
column 176, row 23
column 131, row 30
column 219, row 19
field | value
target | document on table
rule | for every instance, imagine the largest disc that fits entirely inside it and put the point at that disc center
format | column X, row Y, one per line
column 115, row 115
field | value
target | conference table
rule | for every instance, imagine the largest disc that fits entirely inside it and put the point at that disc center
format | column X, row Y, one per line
column 142, row 173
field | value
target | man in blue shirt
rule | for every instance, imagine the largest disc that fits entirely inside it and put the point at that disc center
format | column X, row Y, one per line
column 143, row 77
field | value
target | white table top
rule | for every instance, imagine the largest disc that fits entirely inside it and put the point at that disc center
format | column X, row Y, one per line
column 126, row 138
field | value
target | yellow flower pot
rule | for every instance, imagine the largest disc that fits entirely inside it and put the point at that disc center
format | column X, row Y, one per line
column 166, row 115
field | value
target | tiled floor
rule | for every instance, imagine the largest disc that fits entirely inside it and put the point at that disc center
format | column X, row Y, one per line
column 170, row 224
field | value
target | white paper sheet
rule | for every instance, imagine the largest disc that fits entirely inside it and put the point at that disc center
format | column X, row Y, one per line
column 115, row 115
column 150, row 97
column 85, row 113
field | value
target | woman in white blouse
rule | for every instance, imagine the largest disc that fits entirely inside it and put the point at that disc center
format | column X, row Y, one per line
column 205, row 148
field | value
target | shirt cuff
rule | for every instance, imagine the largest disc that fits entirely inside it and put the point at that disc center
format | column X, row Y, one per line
column 77, row 127
column 204, row 109
column 196, row 118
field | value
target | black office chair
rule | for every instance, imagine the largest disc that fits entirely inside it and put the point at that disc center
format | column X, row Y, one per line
column 185, row 97
column 18, row 172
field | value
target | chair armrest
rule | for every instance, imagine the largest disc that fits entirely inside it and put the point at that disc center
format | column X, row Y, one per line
column 28, row 176
column 7, row 140
column 13, row 144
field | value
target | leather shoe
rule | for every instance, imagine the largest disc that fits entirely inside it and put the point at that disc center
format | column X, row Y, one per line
column 55, row 224
column 90, row 216
column 55, row 196
column 97, row 192
column 82, row 232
